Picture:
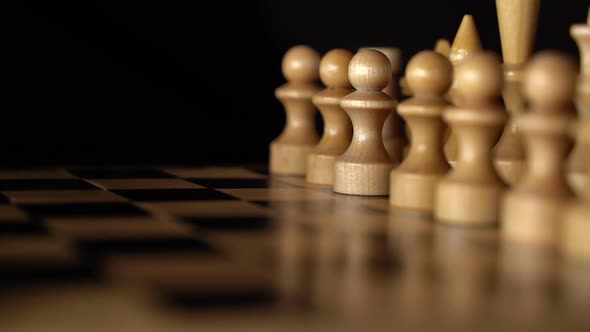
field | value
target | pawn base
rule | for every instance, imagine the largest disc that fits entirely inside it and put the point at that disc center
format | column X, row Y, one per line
column 413, row 191
column 509, row 170
column 320, row 169
column 532, row 219
column 467, row 204
column 289, row 159
column 576, row 232
column 362, row 179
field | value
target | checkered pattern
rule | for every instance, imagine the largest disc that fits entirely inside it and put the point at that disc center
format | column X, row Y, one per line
column 185, row 231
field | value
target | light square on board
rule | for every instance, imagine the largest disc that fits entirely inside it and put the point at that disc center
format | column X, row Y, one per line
column 84, row 210
column 151, row 183
column 119, row 172
column 62, row 196
column 206, row 209
column 122, row 227
column 35, row 248
column 167, row 195
column 23, row 174
column 277, row 194
column 205, row 276
column 45, row 184
column 214, row 172
column 11, row 214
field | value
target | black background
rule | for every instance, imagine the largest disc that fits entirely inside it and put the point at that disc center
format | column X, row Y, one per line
column 153, row 82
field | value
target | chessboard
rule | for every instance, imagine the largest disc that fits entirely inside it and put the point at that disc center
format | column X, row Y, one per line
column 232, row 248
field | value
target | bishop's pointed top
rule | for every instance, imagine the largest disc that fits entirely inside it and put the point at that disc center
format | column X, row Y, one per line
column 466, row 41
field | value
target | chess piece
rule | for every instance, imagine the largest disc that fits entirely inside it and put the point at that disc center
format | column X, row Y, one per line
column 337, row 125
column 577, row 168
column 443, row 47
column 576, row 225
column 470, row 193
column 466, row 42
column 364, row 168
column 413, row 183
column 288, row 152
column 393, row 137
column 518, row 24
column 532, row 211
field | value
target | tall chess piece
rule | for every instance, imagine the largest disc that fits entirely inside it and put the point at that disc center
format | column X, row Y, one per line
column 466, row 42
column 518, row 24
column 577, row 168
column 364, row 168
column 532, row 211
column 393, row 137
column 576, row 226
column 337, row 126
column 288, row 152
column 413, row 183
column 470, row 194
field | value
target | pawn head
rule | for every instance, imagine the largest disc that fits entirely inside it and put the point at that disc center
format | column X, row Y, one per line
column 549, row 79
column 334, row 68
column 369, row 70
column 479, row 77
column 301, row 64
column 429, row 73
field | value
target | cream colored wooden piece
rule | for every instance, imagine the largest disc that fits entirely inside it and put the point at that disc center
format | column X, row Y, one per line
column 365, row 166
column 470, row 194
column 288, row 152
column 576, row 225
column 442, row 46
column 577, row 167
column 466, row 42
column 337, row 125
column 532, row 211
column 393, row 137
column 517, row 20
column 413, row 183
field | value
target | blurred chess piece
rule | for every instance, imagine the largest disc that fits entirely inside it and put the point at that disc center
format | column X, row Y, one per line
column 470, row 193
column 518, row 24
column 364, row 168
column 288, row 152
column 442, row 47
column 576, row 226
column 337, row 126
column 413, row 183
column 466, row 42
column 577, row 168
column 393, row 136
column 532, row 211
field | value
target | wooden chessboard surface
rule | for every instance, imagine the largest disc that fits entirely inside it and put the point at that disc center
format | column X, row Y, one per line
column 232, row 248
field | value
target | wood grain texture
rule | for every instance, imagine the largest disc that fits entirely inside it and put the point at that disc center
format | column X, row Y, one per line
column 532, row 212
column 470, row 194
column 364, row 168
